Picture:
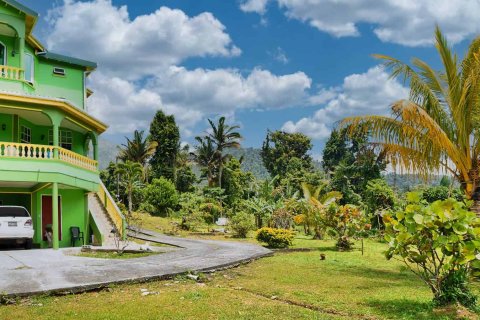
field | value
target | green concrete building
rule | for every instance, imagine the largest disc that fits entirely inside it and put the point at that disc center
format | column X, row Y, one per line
column 48, row 141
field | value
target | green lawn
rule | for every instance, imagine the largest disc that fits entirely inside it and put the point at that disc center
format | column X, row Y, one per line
column 346, row 285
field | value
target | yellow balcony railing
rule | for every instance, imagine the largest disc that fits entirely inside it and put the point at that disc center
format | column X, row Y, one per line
column 11, row 73
column 112, row 210
column 43, row 152
column 77, row 160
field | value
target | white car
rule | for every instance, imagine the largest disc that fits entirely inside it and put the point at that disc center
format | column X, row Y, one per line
column 16, row 225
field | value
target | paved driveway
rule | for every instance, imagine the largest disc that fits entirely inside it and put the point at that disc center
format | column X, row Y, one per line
column 24, row 272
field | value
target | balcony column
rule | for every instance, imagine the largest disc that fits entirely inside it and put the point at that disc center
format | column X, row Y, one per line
column 21, row 49
column 94, row 136
column 56, row 118
column 56, row 133
column 55, row 226
column 86, row 230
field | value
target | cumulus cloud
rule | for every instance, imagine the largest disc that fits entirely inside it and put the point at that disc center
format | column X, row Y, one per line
column 99, row 31
column 408, row 22
column 140, row 68
column 371, row 92
column 259, row 6
column 192, row 95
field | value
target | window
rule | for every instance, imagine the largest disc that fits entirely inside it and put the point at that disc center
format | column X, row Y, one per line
column 66, row 139
column 59, row 71
column 26, row 136
column 3, row 54
column 29, row 67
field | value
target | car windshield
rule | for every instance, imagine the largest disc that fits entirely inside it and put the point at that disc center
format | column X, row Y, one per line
column 13, row 212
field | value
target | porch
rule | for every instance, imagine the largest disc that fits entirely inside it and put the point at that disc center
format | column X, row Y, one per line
column 53, row 207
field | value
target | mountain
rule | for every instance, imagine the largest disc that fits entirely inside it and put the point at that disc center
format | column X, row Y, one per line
column 107, row 153
column 408, row 182
column 252, row 161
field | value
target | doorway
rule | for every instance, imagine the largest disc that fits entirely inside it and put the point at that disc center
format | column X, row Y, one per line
column 47, row 215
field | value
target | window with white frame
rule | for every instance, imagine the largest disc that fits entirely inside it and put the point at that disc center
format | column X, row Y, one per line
column 29, row 68
column 26, row 135
column 66, row 139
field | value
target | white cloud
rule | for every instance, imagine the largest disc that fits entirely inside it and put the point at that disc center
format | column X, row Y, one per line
column 139, row 70
column 406, row 22
column 371, row 92
column 99, row 31
column 280, row 55
column 192, row 95
column 259, row 6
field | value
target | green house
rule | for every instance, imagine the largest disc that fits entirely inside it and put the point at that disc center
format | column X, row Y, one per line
column 48, row 141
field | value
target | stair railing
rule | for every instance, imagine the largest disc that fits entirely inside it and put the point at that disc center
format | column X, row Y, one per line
column 113, row 211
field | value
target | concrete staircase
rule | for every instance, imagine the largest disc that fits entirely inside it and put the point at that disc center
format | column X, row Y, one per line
column 101, row 220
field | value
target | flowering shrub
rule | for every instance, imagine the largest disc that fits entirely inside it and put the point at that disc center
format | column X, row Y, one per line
column 299, row 219
column 275, row 238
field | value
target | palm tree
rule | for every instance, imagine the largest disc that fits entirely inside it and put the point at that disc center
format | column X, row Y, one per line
column 139, row 149
column 224, row 137
column 437, row 127
column 131, row 174
column 318, row 202
column 205, row 156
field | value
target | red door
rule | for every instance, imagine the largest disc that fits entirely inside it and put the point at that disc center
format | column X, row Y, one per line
column 47, row 214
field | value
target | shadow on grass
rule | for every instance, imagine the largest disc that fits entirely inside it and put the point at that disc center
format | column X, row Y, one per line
column 404, row 309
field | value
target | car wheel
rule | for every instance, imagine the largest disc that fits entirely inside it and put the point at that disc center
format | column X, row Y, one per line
column 28, row 244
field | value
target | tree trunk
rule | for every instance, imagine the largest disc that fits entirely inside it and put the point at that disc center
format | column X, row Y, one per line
column 476, row 202
column 220, row 172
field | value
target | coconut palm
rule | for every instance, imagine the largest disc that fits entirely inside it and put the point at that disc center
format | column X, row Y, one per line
column 130, row 174
column 437, row 127
column 139, row 149
column 224, row 137
column 205, row 156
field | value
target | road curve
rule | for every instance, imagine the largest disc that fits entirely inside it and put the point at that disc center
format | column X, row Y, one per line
column 29, row 272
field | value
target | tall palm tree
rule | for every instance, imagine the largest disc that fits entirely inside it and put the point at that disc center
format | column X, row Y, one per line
column 139, row 149
column 224, row 137
column 205, row 156
column 131, row 174
column 437, row 127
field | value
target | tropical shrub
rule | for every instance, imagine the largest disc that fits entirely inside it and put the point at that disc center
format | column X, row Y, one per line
column 281, row 219
column 345, row 222
column 275, row 238
column 160, row 196
column 241, row 223
column 299, row 219
column 440, row 243
column 434, row 193
column 211, row 211
column 378, row 197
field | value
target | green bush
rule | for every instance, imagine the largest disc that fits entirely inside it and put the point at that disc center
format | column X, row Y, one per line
column 275, row 238
column 432, row 194
column 241, row 223
column 439, row 243
column 160, row 196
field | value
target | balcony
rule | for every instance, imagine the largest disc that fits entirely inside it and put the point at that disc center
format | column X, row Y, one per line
column 12, row 150
column 11, row 73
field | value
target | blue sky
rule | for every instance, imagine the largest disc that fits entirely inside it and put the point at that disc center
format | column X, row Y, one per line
column 277, row 64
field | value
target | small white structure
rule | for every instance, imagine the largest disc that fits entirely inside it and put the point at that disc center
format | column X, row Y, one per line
column 222, row 222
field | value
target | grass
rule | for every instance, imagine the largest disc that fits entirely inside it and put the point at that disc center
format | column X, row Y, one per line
column 114, row 255
column 296, row 285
